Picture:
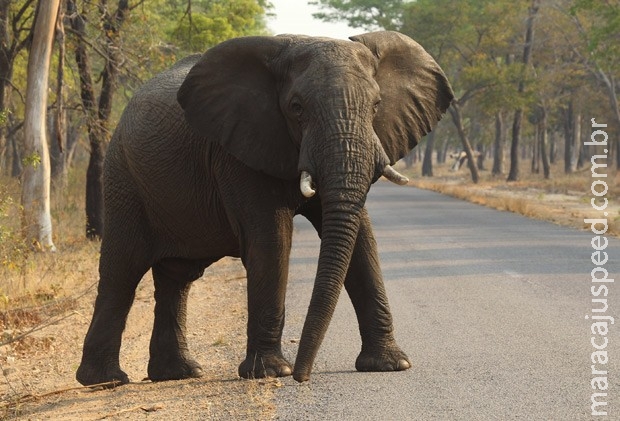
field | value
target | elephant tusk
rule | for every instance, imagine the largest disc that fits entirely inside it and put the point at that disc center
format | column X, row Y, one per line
column 305, row 184
column 394, row 176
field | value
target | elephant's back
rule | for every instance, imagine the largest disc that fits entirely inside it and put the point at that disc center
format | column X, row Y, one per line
column 155, row 103
column 153, row 152
column 164, row 85
column 152, row 133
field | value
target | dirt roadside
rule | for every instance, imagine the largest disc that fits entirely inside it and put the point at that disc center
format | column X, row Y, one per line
column 556, row 203
column 38, row 371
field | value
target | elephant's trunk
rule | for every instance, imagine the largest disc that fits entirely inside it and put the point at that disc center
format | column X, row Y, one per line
column 339, row 234
column 343, row 193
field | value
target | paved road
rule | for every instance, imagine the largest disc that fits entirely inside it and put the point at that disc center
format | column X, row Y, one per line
column 488, row 305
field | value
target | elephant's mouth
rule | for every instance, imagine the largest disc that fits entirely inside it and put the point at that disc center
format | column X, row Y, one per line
column 307, row 186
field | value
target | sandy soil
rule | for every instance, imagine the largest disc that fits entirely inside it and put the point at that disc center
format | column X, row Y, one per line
column 38, row 371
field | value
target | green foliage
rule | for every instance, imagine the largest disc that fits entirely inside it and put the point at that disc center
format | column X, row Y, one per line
column 175, row 28
column 214, row 21
column 599, row 23
column 367, row 14
column 13, row 250
column 471, row 42
column 4, row 117
column 32, row 160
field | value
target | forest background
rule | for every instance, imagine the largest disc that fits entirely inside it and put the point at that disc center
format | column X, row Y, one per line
column 529, row 77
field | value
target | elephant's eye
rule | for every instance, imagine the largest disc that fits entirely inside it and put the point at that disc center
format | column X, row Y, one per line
column 375, row 106
column 296, row 107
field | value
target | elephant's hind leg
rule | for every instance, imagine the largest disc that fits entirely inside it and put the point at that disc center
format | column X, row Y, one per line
column 120, row 274
column 126, row 255
column 170, row 358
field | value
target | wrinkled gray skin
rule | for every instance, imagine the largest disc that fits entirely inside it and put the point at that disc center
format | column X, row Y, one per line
column 206, row 163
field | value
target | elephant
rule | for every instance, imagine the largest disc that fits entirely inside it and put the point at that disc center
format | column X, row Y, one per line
column 216, row 155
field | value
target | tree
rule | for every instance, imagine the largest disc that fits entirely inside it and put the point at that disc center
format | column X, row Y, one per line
column 470, row 41
column 15, row 21
column 427, row 163
column 541, row 133
column 98, row 112
column 368, row 14
column 36, row 217
column 498, row 145
column 598, row 24
column 455, row 112
column 205, row 23
column 513, row 174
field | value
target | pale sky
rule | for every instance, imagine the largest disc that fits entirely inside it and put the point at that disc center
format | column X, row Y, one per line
column 295, row 17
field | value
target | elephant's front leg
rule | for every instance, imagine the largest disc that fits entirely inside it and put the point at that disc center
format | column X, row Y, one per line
column 266, row 257
column 169, row 355
column 364, row 284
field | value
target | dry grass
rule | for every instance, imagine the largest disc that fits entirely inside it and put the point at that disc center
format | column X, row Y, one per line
column 30, row 278
column 563, row 199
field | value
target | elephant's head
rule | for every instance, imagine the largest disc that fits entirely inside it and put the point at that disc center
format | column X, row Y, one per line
column 337, row 113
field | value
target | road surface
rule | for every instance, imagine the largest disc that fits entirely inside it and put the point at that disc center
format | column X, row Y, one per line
column 490, row 307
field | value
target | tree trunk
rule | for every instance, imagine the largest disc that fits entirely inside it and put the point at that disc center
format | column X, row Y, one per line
column 577, row 143
column 482, row 153
column 568, row 139
column 475, row 133
column 6, row 70
column 455, row 112
column 498, row 145
column 513, row 174
column 617, row 146
column 610, row 83
column 427, row 164
column 552, row 147
column 98, row 133
column 542, row 130
column 409, row 159
column 36, row 217
column 59, row 118
column 535, row 168
column 16, row 166
column 442, row 151
column 87, row 93
column 58, row 149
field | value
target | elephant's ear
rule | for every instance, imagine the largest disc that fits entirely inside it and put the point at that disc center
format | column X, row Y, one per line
column 230, row 96
column 414, row 91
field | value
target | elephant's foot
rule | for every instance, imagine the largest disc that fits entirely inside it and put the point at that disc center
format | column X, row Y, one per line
column 161, row 369
column 258, row 365
column 89, row 374
column 389, row 358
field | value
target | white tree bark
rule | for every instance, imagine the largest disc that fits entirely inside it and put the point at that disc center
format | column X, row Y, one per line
column 36, row 217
